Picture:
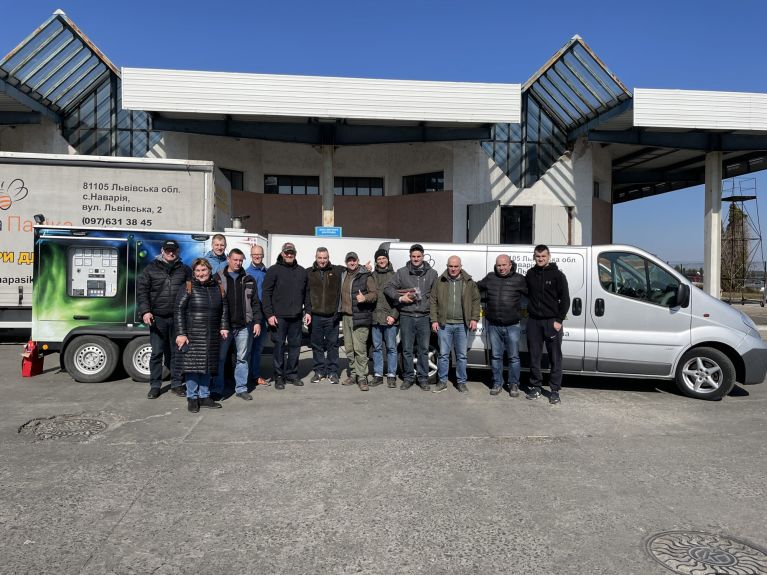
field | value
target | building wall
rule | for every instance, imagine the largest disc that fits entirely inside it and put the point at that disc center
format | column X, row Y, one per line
column 43, row 138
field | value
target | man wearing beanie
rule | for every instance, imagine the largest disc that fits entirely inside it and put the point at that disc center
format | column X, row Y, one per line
column 410, row 288
column 384, row 324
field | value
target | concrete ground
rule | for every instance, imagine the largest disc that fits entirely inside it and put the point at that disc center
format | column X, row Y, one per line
column 328, row 479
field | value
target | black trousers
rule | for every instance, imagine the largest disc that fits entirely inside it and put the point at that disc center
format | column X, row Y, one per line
column 288, row 328
column 540, row 332
column 162, row 338
column 324, row 340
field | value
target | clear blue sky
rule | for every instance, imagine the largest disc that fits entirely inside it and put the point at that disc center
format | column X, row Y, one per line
column 700, row 44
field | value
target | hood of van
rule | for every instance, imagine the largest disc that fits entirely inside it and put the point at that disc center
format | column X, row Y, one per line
column 710, row 309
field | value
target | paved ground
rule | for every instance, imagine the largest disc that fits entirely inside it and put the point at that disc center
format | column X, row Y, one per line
column 328, row 479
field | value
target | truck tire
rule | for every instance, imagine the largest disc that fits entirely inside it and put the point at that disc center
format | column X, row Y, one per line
column 91, row 358
column 136, row 359
column 705, row 373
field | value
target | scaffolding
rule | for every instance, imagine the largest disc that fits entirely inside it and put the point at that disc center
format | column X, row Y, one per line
column 744, row 271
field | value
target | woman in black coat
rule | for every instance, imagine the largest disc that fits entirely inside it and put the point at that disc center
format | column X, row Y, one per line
column 202, row 321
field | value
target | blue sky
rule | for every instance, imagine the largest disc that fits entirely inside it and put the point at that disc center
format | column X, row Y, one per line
column 702, row 44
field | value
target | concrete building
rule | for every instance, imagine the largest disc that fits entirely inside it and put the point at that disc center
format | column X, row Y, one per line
column 541, row 161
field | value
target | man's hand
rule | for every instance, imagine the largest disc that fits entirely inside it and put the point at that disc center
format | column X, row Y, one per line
column 147, row 318
column 256, row 329
column 360, row 297
column 272, row 321
column 307, row 319
column 435, row 326
column 473, row 325
column 224, row 333
column 181, row 340
column 557, row 326
column 390, row 320
column 368, row 267
column 408, row 297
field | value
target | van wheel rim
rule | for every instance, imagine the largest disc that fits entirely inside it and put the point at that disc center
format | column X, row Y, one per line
column 90, row 359
column 141, row 359
column 702, row 375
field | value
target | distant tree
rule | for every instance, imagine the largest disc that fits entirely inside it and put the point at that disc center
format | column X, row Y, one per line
column 734, row 250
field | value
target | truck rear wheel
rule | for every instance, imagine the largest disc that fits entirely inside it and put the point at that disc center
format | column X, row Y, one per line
column 136, row 359
column 705, row 373
column 91, row 358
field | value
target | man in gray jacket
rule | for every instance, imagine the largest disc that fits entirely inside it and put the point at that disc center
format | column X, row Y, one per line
column 411, row 288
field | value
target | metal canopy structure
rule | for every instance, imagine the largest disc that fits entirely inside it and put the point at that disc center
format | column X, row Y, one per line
column 53, row 67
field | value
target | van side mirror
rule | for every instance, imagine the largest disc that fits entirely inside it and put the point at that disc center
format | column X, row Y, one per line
column 683, row 295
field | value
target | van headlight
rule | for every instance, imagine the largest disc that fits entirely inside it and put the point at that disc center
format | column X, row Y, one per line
column 752, row 329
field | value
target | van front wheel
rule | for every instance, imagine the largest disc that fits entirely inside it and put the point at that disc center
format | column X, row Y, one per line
column 705, row 373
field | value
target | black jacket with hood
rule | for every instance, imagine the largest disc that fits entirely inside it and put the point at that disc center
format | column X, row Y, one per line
column 285, row 291
column 547, row 293
column 502, row 296
column 408, row 278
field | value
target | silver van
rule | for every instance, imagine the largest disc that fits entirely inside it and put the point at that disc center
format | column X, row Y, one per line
column 631, row 316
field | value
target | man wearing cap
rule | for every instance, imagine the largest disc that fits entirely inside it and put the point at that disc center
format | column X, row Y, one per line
column 156, row 291
column 217, row 255
column 384, row 324
column 244, row 323
column 286, row 302
column 358, row 298
column 324, row 290
column 411, row 288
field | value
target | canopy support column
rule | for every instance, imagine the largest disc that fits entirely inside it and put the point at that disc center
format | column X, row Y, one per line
column 327, row 186
column 712, row 225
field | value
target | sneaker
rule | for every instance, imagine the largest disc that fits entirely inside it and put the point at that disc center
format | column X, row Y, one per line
column 245, row 395
column 462, row 388
column 209, row 403
column 441, row 386
column 351, row 380
column 316, row 378
column 513, row 390
column 377, row 380
column 533, row 393
column 391, row 381
column 406, row 384
column 424, row 385
column 362, row 382
column 279, row 383
column 179, row 390
column 554, row 398
column 495, row 391
column 296, row 382
column 333, row 379
column 154, row 393
column 192, row 405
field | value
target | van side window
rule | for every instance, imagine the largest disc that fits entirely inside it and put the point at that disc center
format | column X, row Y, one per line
column 630, row 275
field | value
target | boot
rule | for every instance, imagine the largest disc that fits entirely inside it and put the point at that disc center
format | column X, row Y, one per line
column 362, row 382
column 377, row 380
column 391, row 381
column 193, row 405
column 351, row 380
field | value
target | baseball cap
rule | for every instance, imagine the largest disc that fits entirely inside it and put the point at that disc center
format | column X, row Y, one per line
column 170, row 245
column 416, row 248
column 351, row 256
column 288, row 247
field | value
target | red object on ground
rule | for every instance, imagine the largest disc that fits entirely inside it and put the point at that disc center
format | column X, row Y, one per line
column 31, row 360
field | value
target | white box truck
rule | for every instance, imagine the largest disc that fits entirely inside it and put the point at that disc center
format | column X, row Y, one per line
column 631, row 316
column 97, row 192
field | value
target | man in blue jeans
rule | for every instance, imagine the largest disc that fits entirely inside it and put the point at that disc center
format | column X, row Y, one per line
column 257, row 270
column 411, row 288
column 502, row 291
column 454, row 312
column 244, row 322
column 384, row 329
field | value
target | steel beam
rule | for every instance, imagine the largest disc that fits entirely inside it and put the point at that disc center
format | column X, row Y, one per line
column 14, row 118
column 700, row 140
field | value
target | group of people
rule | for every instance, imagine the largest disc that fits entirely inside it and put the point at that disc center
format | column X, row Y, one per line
column 196, row 314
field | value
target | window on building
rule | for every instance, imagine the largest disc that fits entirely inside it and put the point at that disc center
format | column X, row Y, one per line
column 516, row 224
column 358, row 186
column 420, row 183
column 292, row 185
column 236, row 179
column 596, row 189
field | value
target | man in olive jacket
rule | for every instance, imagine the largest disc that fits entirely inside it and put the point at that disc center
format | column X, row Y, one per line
column 454, row 312
column 502, row 290
column 156, row 290
column 324, row 280
column 358, row 299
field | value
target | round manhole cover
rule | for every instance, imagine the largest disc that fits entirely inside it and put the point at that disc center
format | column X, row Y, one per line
column 691, row 552
column 63, row 426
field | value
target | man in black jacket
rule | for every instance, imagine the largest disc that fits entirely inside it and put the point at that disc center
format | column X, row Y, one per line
column 502, row 291
column 156, row 291
column 286, row 303
column 548, row 304
column 324, row 281
column 244, row 321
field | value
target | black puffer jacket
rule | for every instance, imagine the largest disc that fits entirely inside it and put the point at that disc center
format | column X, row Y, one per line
column 501, row 296
column 547, row 292
column 200, row 315
column 285, row 291
column 158, row 285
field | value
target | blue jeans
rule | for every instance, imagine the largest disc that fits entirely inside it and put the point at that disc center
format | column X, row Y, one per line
column 415, row 330
column 255, row 352
column 242, row 338
column 504, row 338
column 197, row 385
column 384, row 335
column 453, row 335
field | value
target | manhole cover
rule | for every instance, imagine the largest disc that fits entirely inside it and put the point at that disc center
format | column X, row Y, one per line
column 63, row 426
column 691, row 552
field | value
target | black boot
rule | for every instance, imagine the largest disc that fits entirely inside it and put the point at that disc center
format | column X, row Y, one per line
column 193, row 405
